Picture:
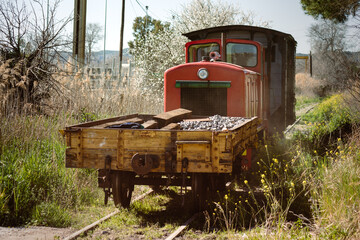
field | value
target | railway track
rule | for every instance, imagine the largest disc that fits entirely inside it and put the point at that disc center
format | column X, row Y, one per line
column 171, row 236
column 95, row 224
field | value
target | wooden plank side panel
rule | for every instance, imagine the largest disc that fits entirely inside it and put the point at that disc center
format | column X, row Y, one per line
column 199, row 167
column 141, row 140
column 89, row 147
column 196, row 152
column 171, row 126
column 100, row 138
column 194, row 136
column 245, row 138
column 71, row 158
column 92, row 158
column 120, row 151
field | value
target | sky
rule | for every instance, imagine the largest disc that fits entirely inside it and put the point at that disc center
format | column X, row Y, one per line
column 284, row 15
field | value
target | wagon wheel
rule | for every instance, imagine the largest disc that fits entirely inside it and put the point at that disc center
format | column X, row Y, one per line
column 199, row 188
column 122, row 188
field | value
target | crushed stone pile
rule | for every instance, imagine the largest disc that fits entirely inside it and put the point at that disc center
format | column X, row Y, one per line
column 215, row 123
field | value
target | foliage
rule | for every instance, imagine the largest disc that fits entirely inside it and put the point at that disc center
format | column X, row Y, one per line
column 212, row 13
column 338, row 10
column 160, row 52
column 330, row 59
column 164, row 48
column 142, row 26
column 28, row 48
column 329, row 120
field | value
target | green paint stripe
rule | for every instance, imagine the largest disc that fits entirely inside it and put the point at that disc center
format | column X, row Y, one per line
column 202, row 84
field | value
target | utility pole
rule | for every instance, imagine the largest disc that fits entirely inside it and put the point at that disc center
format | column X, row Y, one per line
column 79, row 31
column 121, row 38
column 146, row 34
column 311, row 67
column 105, row 37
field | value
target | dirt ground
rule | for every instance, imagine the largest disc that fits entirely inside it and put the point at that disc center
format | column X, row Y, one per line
column 32, row 233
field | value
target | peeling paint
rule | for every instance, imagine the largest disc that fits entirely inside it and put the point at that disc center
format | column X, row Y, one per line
column 102, row 143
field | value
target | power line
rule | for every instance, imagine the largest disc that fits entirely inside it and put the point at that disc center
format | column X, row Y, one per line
column 141, row 6
column 146, row 9
column 132, row 5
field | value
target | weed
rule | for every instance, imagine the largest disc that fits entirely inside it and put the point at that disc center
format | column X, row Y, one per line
column 50, row 214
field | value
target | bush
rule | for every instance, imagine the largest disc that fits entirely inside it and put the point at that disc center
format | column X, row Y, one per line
column 330, row 120
column 309, row 86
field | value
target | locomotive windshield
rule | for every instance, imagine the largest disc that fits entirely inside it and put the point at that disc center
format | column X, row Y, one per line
column 241, row 54
column 197, row 51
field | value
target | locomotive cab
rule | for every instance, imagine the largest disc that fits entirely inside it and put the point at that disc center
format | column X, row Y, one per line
column 218, row 79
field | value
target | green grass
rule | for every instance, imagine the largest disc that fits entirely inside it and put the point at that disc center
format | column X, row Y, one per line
column 35, row 186
column 304, row 101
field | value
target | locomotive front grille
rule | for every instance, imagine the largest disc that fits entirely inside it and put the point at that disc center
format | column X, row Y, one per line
column 205, row 101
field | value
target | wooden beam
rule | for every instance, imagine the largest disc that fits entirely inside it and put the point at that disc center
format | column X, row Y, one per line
column 151, row 124
column 130, row 120
column 176, row 115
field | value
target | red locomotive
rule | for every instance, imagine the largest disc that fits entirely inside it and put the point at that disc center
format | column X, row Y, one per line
column 236, row 70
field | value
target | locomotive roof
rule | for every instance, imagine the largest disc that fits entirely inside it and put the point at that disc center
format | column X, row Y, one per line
column 202, row 34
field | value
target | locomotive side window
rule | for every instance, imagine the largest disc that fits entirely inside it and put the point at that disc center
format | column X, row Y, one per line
column 241, row 54
column 197, row 51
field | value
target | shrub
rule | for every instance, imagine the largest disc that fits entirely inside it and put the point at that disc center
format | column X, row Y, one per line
column 329, row 121
column 309, row 86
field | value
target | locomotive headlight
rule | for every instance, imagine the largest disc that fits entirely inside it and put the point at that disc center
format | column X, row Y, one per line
column 203, row 73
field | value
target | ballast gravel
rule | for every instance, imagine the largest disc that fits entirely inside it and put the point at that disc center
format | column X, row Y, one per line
column 215, row 123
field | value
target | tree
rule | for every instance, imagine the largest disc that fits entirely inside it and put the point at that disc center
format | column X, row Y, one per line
column 93, row 36
column 338, row 10
column 142, row 26
column 199, row 14
column 29, row 44
column 348, row 76
column 165, row 48
column 328, row 43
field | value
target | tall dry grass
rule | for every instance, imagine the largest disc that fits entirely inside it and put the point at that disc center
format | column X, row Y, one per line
column 104, row 97
column 307, row 86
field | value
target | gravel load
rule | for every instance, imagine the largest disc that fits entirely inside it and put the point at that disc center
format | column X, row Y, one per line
column 215, row 123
